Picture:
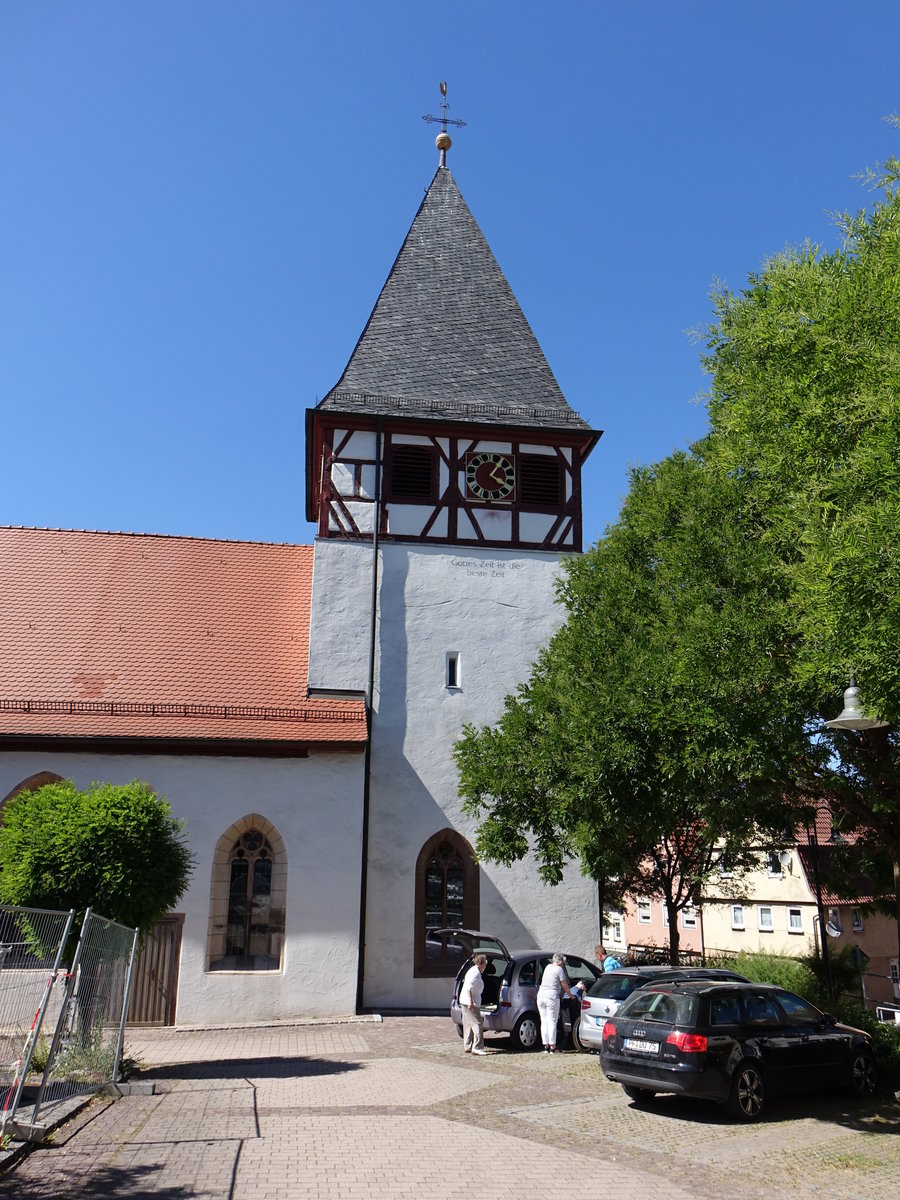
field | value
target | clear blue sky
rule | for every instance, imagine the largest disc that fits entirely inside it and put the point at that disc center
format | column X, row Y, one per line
column 201, row 200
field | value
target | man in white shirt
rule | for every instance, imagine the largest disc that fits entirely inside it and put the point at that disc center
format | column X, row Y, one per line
column 470, row 1006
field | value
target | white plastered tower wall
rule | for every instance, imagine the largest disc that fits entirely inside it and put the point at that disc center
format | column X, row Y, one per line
column 314, row 804
column 495, row 609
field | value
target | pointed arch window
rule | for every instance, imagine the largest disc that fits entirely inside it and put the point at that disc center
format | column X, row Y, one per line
column 249, row 898
column 246, row 931
column 447, row 897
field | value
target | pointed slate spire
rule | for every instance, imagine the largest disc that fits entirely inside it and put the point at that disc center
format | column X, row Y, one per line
column 447, row 338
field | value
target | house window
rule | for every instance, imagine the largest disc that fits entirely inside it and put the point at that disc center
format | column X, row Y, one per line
column 857, row 921
column 643, row 912
column 247, row 898
column 612, row 929
column 452, row 669
column 726, row 868
column 834, row 918
column 540, row 480
column 765, row 918
column 413, row 473
column 773, row 863
column 689, row 917
column 447, row 898
column 795, row 920
column 665, row 915
column 895, row 973
column 737, row 916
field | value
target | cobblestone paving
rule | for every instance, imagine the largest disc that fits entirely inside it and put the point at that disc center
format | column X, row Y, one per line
column 394, row 1109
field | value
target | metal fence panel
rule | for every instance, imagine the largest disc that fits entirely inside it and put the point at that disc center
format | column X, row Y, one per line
column 32, row 941
column 84, row 1049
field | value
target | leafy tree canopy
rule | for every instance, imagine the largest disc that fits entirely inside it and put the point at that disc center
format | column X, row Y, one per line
column 805, row 398
column 805, row 402
column 649, row 737
column 114, row 848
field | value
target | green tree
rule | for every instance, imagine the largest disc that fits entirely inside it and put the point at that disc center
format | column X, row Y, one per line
column 114, row 848
column 651, row 737
column 805, row 402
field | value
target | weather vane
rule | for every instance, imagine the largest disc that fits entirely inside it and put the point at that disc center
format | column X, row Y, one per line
column 443, row 140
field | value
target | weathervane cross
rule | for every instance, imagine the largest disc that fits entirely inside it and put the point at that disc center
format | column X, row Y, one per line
column 443, row 141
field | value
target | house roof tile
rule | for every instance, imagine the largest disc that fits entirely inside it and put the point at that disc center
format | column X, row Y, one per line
column 145, row 636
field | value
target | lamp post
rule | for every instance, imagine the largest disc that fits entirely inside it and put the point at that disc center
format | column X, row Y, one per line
column 812, row 838
column 852, row 718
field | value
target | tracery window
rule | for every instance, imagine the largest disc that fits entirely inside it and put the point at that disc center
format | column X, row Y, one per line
column 447, row 898
column 246, row 930
column 249, row 897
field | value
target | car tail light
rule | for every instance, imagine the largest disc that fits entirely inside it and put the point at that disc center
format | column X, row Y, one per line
column 687, row 1043
column 585, row 1003
column 609, row 1030
column 505, row 1004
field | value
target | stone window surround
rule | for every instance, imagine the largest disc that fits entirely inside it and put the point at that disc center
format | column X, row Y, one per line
column 221, row 880
column 471, row 900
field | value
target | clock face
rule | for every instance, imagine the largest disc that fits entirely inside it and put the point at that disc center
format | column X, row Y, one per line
column 490, row 476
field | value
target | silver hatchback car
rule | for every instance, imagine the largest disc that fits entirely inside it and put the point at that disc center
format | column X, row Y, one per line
column 613, row 989
column 511, row 980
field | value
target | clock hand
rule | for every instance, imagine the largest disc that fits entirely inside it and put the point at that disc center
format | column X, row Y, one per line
column 501, row 478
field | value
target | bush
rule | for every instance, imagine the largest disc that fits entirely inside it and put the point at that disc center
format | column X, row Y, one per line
column 792, row 974
column 114, row 848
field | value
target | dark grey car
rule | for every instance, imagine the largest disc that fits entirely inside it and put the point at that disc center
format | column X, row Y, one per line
column 736, row 1043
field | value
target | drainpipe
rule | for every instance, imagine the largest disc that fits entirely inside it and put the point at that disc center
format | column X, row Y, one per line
column 367, row 765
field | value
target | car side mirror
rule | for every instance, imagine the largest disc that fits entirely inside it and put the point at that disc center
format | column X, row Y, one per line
column 830, row 1018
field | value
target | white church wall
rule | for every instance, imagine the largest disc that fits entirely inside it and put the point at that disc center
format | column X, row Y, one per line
column 315, row 804
column 341, row 598
column 496, row 609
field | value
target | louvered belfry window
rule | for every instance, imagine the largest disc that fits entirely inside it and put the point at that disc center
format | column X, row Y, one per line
column 412, row 473
column 540, row 480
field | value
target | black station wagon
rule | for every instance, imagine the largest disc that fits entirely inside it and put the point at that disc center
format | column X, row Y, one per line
column 736, row 1043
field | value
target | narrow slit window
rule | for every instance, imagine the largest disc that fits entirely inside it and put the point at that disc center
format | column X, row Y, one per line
column 453, row 669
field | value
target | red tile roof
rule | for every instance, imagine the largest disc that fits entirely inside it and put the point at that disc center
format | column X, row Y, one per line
column 144, row 636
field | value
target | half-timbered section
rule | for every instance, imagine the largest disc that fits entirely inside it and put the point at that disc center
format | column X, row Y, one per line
column 476, row 487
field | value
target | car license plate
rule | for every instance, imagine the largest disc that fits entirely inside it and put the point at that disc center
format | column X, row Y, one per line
column 639, row 1046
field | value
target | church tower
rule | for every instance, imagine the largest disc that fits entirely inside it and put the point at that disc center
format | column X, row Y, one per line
column 444, row 476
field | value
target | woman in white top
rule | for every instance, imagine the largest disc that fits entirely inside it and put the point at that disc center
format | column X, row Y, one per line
column 554, row 983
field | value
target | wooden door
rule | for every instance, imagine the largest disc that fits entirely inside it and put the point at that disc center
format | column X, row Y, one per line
column 154, row 983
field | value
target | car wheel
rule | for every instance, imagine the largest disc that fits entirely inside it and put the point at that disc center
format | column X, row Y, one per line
column 748, row 1093
column 576, row 1037
column 642, row 1097
column 527, row 1032
column 863, row 1074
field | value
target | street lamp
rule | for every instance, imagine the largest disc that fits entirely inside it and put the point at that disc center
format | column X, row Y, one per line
column 851, row 717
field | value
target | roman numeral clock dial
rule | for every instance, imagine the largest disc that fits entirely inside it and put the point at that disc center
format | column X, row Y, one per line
column 490, row 476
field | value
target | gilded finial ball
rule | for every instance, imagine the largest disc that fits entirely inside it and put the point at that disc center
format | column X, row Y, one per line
column 443, row 141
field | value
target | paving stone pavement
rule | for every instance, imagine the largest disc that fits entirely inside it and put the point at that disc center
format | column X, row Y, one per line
column 394, row 1109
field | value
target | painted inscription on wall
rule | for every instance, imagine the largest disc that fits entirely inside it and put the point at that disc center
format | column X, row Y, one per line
column 485, row 568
